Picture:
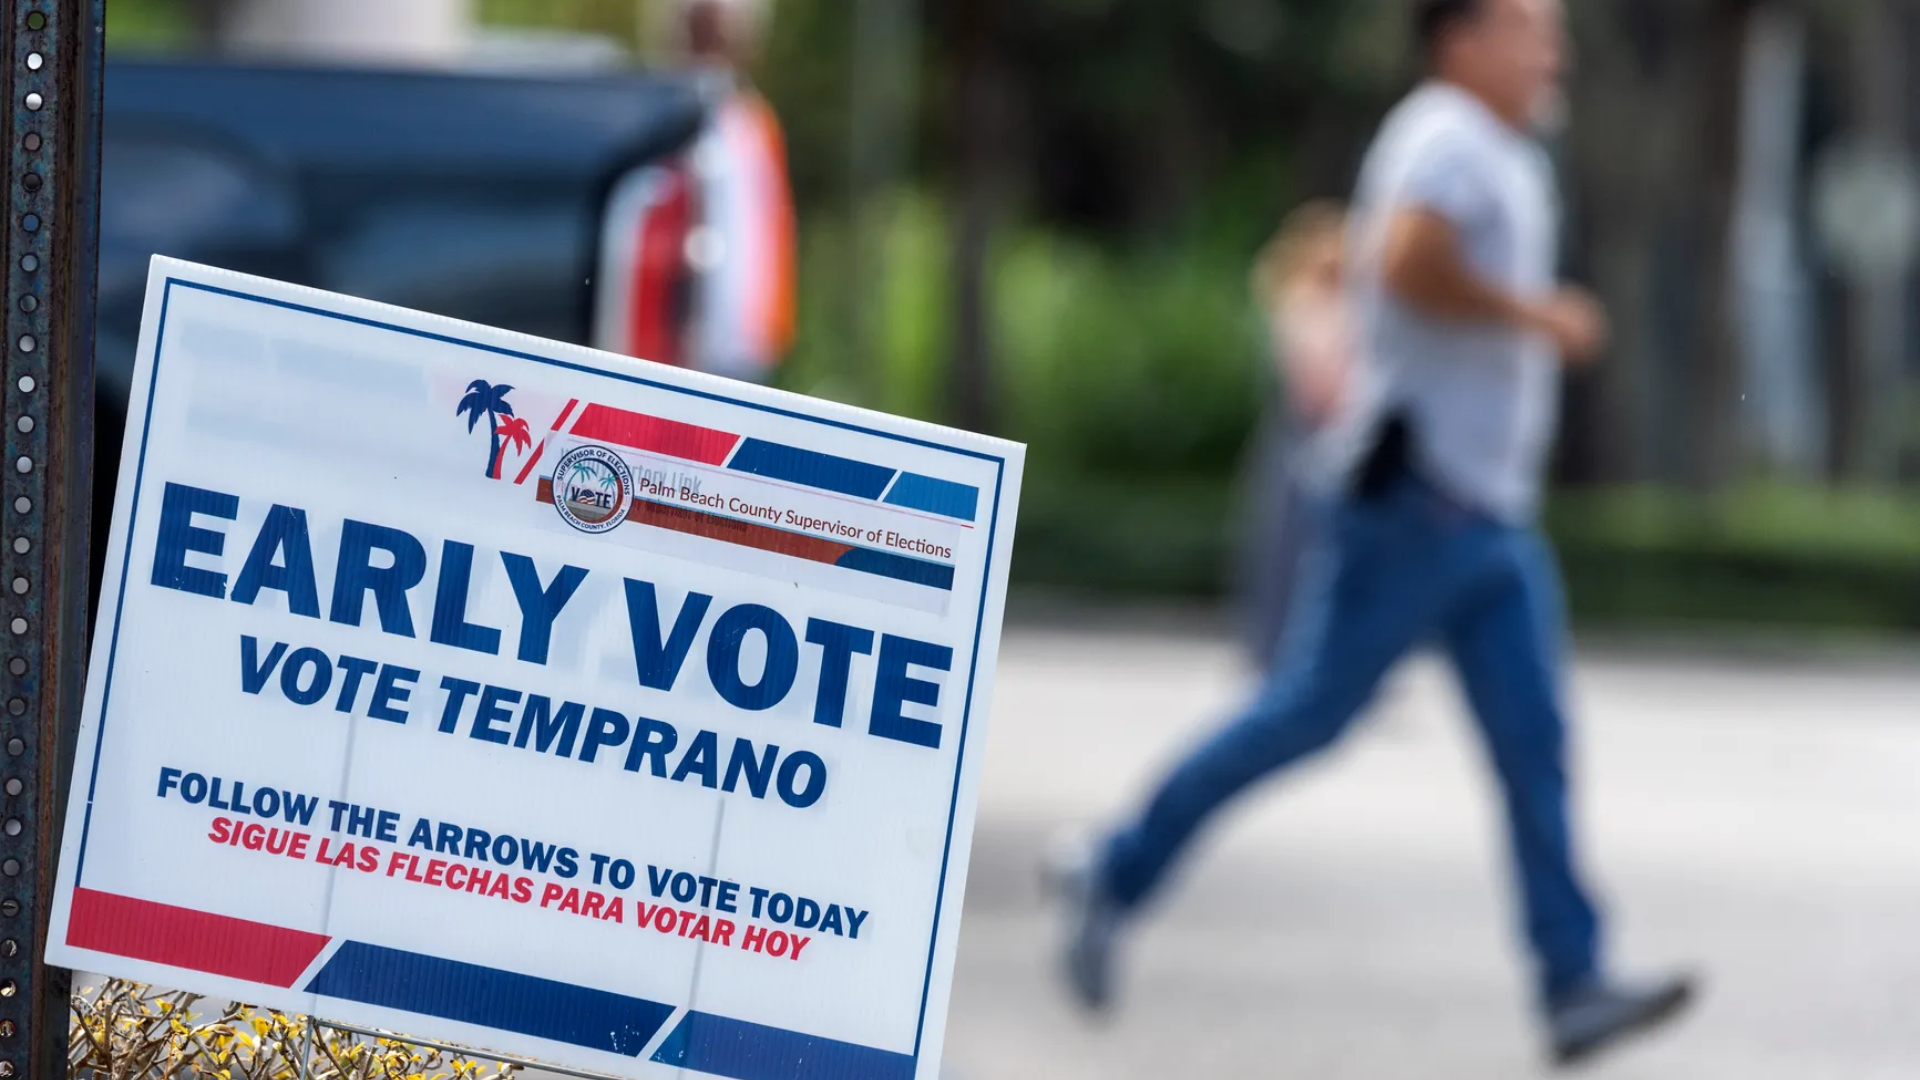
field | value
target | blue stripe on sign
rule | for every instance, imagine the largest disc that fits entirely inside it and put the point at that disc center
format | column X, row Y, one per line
column 935, row 496
column 490, row 997
column 713, row 1044
column 811, row 468
column 898, row 567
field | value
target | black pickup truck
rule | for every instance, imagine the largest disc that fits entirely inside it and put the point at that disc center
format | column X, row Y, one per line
column 554, row 205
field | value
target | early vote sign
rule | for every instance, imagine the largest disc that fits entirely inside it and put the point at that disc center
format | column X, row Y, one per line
column 460, row 683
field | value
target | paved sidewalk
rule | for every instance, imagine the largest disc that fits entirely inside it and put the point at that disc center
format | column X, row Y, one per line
column 1758, row 820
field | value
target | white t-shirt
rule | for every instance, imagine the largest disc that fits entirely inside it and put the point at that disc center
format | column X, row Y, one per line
column 1482, row 399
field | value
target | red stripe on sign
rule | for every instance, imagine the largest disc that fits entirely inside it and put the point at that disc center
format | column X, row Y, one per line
column 654, row 435
column 527, row 469
column 195, row 940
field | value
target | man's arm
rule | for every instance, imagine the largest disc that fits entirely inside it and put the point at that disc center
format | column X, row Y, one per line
column 1423, row 266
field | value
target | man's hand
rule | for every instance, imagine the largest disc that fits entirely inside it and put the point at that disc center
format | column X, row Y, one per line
column 1574, row 321
column 1423, row 266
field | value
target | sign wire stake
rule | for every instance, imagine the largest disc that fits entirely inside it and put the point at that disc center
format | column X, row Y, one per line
column 306, row 1051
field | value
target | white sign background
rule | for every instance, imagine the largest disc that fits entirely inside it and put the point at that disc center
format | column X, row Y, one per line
column 346, row 410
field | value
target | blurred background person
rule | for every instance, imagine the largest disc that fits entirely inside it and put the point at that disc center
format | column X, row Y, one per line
column 743, row 252
column 1298, row 284
column 1462, row 332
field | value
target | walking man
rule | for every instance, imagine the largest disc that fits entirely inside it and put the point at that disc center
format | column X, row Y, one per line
column 1438, row 453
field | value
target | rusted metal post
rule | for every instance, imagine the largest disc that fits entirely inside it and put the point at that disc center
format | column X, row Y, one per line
column 53, row 57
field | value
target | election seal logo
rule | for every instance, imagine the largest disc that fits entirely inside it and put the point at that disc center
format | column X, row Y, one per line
column 592, row 488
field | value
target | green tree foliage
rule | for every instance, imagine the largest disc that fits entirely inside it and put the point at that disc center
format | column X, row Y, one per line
column 1142, row 151
column 148, row 25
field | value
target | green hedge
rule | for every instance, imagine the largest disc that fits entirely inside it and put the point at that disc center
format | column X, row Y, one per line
column 1165, row 537
column 1779, row 557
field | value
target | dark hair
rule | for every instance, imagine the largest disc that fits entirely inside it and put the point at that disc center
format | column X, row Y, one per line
column 1431, row 18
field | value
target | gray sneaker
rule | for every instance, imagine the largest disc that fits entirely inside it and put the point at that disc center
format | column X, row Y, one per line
column 1591, row 1017
column 1092, row 922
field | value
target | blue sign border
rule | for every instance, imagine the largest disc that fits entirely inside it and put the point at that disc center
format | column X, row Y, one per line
column 146, row 422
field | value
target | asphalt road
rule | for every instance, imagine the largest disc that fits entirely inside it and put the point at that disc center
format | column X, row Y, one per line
column 1757, row 820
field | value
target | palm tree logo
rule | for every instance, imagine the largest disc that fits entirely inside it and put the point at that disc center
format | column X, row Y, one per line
column 587, row 471
column 485, row 399
column 513, row 433
column 583, row 472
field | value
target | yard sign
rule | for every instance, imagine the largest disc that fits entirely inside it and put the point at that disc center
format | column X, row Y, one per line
column 470, row 685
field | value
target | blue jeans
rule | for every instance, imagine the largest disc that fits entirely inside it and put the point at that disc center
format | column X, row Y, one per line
column 1394, row 570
